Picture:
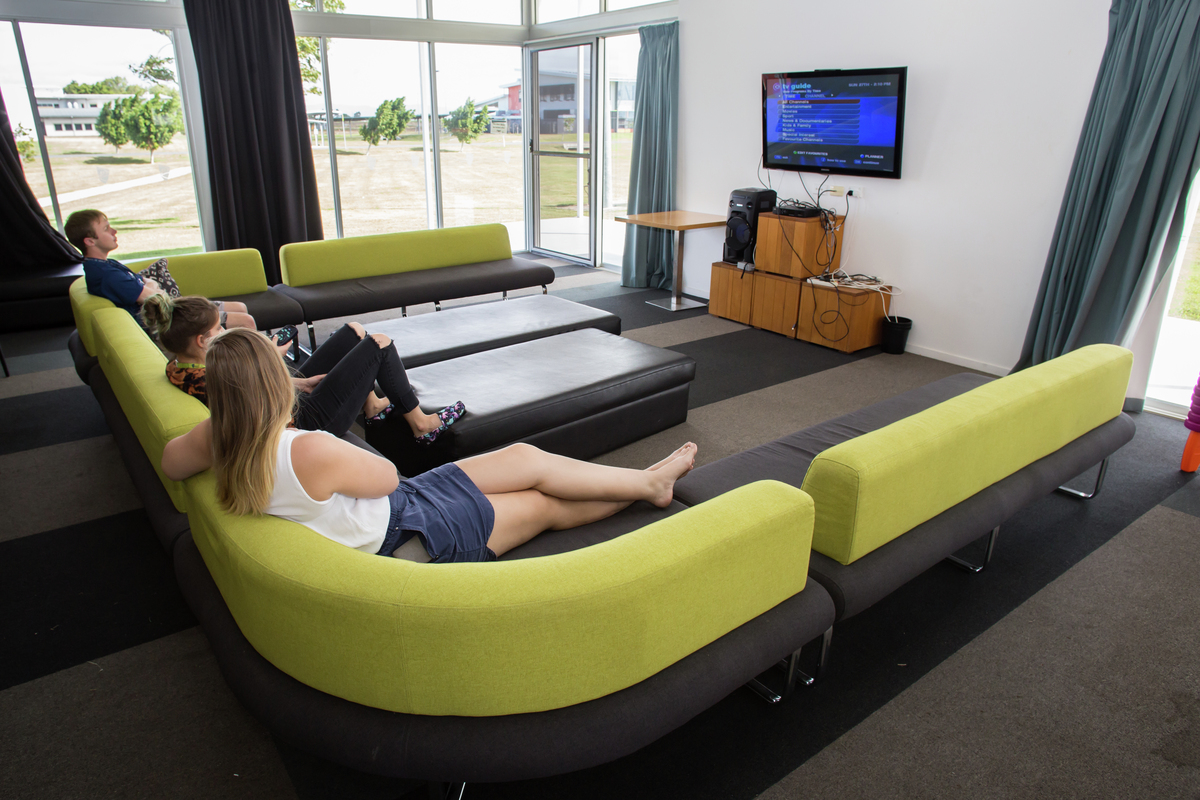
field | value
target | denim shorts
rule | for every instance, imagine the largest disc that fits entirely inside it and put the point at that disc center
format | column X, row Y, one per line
column 446, row 509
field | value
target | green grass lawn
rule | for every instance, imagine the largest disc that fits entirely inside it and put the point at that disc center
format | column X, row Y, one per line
column 1185, row 304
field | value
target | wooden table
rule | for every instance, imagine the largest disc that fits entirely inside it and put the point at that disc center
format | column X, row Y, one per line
column 678, row 221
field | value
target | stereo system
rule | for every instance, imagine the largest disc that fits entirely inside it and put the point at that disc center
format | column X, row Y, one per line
column 741, row 223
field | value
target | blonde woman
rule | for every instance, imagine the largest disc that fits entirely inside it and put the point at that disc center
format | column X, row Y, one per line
column 333, row 381
column 470, row 510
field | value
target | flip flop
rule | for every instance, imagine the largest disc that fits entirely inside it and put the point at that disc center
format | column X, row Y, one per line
column 448, row 416
column 382, row 415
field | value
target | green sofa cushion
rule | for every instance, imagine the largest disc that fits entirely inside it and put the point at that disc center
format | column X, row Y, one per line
column 221, row 273
column 135, row 368
column 306, row 263
column 504, row 637
column 873, row 488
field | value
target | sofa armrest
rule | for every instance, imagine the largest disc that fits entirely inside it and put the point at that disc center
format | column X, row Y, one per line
column 83, row 306
column 503, row 637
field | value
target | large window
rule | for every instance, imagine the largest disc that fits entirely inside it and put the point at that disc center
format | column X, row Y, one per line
column 109, row 103
column 378, row 124
column 479, row 103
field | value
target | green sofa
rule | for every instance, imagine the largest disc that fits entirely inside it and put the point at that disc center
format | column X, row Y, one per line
column 364, row 274
column 221, row 275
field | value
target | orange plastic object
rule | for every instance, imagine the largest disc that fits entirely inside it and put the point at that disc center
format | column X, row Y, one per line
column 1191, row 453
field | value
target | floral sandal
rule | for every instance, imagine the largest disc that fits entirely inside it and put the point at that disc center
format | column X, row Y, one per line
column 448, row 415
column 382, row 415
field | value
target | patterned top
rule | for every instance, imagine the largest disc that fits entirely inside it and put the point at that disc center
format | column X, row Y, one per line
column 189, row 377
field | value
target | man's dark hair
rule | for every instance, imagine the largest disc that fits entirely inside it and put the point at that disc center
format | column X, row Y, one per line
column 82, row 225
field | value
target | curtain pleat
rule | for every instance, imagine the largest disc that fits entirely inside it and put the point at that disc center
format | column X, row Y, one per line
column 1123, row 213
column 35, row 247
column 264, row 186
column 648, row 251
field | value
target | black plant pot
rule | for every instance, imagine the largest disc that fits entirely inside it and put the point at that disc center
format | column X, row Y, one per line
column 895, row 334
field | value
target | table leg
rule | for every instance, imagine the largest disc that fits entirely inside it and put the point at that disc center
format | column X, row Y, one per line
column 677, row 302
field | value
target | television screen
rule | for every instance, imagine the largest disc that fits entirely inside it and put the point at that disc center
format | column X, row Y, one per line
column 838, row 122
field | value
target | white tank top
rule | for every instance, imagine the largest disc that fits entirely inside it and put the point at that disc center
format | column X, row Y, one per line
column 355, row 522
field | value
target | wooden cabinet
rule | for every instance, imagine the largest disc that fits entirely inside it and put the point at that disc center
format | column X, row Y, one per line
column 813, row 311
column 842, row 318
column 730, row 293
column 775, row 303
column 798, row 247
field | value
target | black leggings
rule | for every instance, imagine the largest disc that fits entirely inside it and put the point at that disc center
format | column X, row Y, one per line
column 351, row 366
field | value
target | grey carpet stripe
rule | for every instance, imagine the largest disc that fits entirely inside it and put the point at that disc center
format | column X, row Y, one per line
column 63, row 484
column 1089, row 689
column 731, row 426
column 153, row 721
column 669, row 334
column 41, row 381
column 37, row 362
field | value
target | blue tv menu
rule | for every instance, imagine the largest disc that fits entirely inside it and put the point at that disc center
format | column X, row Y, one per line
column 835, row 122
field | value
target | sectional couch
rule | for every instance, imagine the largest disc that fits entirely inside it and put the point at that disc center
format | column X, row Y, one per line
column 584, row 645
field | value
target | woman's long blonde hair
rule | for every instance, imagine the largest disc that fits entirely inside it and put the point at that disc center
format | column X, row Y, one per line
column 251, row 400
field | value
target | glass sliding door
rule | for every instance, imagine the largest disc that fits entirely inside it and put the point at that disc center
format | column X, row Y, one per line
column 560, row 137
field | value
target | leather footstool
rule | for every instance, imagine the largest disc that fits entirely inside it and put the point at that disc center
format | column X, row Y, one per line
column 578, row 394
column 441, row 335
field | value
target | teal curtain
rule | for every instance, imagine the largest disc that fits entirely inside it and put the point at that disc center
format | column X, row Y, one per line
column 1123, row 213
column 648, row 252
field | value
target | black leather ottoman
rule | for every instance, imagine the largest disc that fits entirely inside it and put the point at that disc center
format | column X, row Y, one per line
column 442, row 335
column 579, row 394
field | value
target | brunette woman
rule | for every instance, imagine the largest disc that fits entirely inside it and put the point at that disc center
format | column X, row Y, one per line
column 336, row 382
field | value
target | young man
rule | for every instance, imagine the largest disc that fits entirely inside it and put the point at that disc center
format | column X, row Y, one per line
column 90, row 231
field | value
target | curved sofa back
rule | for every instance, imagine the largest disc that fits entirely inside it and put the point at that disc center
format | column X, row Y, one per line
column 306, row 263
column 135, row 368
column 873, row 488
column 83, row 306
column 221, row 273
column 504, row 637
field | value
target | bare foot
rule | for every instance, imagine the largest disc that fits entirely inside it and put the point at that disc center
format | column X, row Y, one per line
column 663, row 476
column 668, row 459
column 374, row 405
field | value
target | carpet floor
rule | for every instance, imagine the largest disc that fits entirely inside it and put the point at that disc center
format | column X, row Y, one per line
column 1067, row 668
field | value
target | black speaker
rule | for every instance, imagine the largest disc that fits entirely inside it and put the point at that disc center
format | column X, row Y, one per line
column 741, row 224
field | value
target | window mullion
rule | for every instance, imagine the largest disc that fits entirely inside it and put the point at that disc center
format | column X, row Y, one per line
column 331, row 137
column 39, row 126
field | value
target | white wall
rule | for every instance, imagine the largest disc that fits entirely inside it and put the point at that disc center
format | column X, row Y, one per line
column 997, row 93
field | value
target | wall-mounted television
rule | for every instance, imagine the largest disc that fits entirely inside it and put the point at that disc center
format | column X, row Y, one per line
column 835, row 122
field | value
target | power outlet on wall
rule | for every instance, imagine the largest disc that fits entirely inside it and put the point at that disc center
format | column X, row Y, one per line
column 842, row 191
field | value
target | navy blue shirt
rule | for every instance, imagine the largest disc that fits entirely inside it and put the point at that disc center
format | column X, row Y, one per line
column 114, row 281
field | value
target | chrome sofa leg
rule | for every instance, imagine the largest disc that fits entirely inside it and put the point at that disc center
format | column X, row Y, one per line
column 504, row 295
column 312, row 336
column 404, row 311
column 792, row 672
column 446, row 791
column 826, row 638
column 544, row 289
column 437, row 305
column 1095, row 491
column 987, row 555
